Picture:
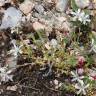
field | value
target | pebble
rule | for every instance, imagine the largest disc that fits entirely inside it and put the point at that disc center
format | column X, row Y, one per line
column 82, row 3
column 39, row 9
column 12, row 88
column 38, row 26
column 2, row 2
column 26, row 7
column 11, row 18
column 61, row 5
column 11, row 62
column 63, row 24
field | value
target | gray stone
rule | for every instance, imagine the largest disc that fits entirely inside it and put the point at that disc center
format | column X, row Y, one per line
column 39, row 9
column 61, row 5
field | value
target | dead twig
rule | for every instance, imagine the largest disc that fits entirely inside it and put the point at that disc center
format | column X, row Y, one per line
column 30, row 87
column 51, row 88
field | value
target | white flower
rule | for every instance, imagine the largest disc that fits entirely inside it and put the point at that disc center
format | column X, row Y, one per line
column 53, row 43
column 11, row 18
column 76, row 14
column 93, row 46
column 81, row 87
column 84, row 18
column 76, row 77
column 81, row 16
column 5, row 75
column 16, row 49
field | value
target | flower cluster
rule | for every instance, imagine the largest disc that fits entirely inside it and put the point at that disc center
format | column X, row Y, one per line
column 42, row 35
column 80, row 83
column 81, row 87
column 5, row 74
column 16, row 49
column 81, row 16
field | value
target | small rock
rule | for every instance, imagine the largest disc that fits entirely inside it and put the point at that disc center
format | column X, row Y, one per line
column 26, row 7
column 66, row 26
column 12, row 88
column 12, row 18
column 39, row 9
column 49, row 1
column 63, row 24
column 82, row 3
column 62, row 19
column 11, row 62
column 2, row 2
column 61, row 5
column 38, row 26
column 56, row 82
